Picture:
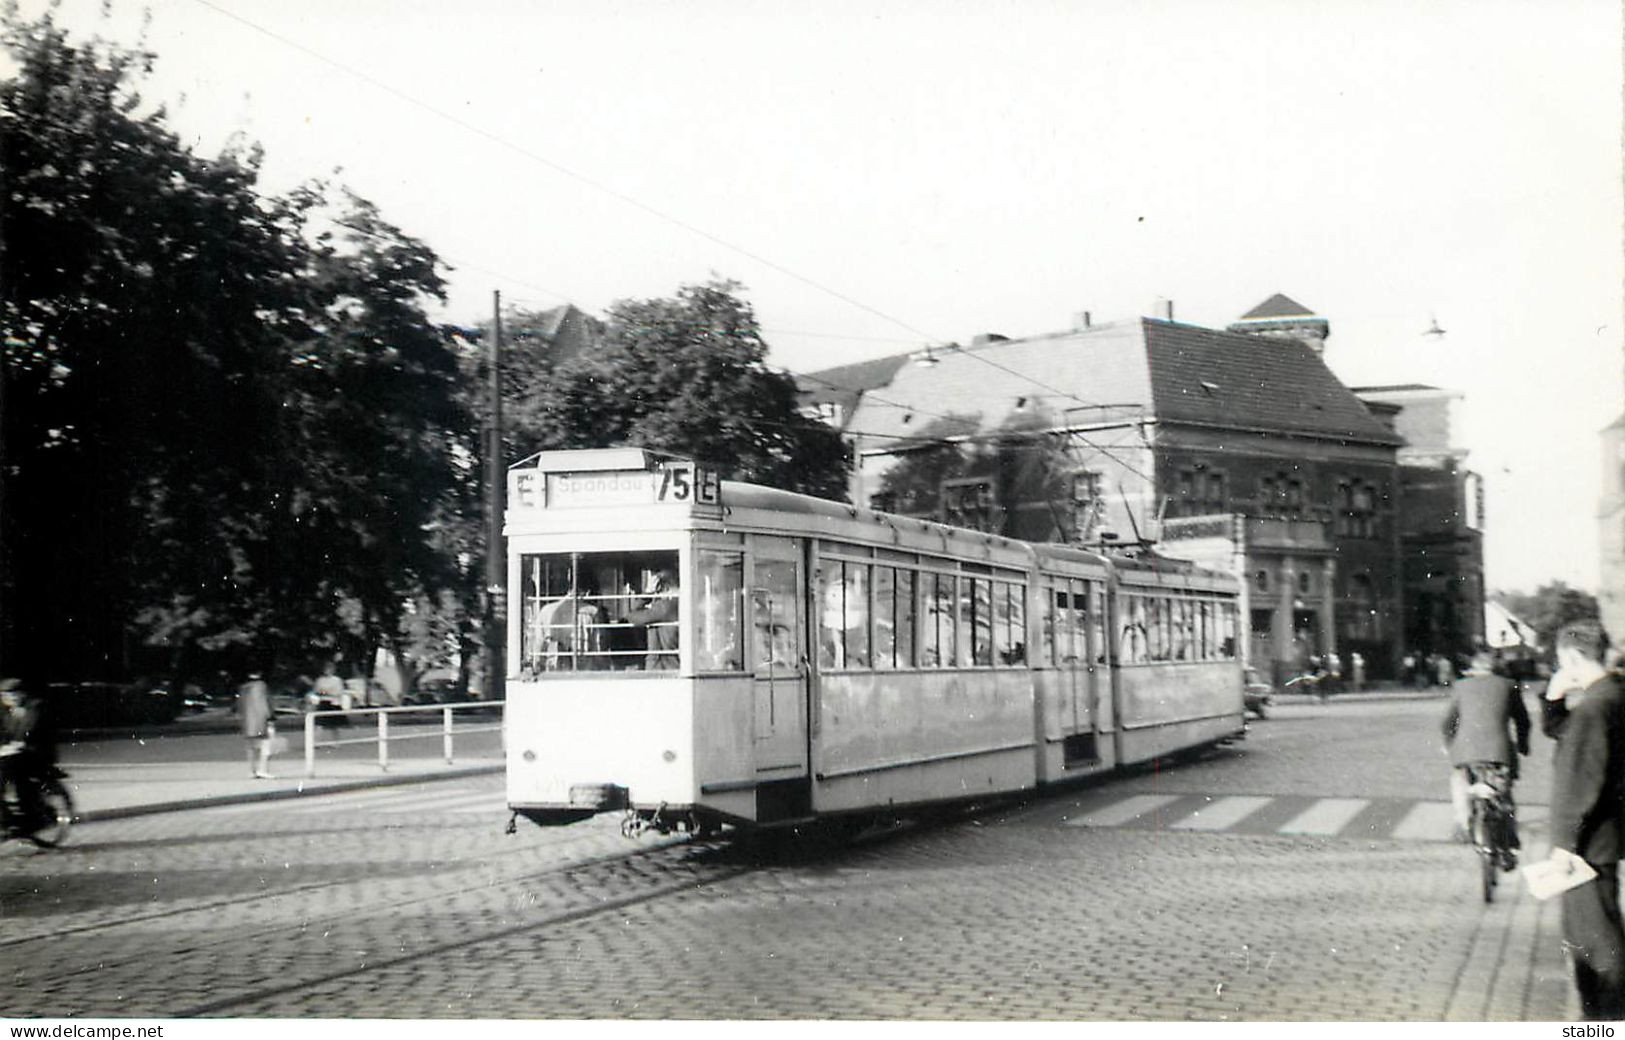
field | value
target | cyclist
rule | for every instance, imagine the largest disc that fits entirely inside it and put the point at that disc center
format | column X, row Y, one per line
column 28, row 752
column 1480, row 746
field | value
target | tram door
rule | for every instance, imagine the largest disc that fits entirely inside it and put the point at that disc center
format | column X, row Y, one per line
column 778, row 593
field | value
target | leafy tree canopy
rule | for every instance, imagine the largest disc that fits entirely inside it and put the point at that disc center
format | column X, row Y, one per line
column 227, row 421
column 1550, row 607
column 686, row 375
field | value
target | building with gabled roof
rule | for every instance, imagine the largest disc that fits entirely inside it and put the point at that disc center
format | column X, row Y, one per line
column 1238, row 444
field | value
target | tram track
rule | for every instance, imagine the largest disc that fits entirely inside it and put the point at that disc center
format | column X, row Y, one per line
column 303, row 952
column 553, row 920
column 296, row 890
column 65, row 960
column 131, row 965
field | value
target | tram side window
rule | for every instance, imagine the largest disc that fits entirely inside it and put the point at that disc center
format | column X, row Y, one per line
column 598, row 612
column 720, row 607
column 1048, row 622
column 1227, row 631
column 1077, row 619
column 1131, row 641
column 776, row 617
column 938, row 647
column 894, row 618
column 843, row 640
column 1184, row 641
column 1009, row 623
column 976, row 618
column 1097, row 619
column 1158, row 636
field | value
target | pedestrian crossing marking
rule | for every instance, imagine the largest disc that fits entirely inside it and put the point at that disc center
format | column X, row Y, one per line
column 1326, row 817
column 1131, row 808
column 1222, row 813
column 1287, row 815
column 1426, row 820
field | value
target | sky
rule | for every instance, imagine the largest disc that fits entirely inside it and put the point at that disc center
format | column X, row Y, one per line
column 880, row 176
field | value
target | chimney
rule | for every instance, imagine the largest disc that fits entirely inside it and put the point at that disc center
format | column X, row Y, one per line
column 1081, row 320
column 1163, row 309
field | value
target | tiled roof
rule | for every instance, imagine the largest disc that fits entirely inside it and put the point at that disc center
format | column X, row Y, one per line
column 1163, row 370
column 1206, row 376
column 1278, row 306
column 1069, row 372
column 844, row 384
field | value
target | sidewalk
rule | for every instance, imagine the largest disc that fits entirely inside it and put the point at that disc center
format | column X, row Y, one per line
column 113, row 790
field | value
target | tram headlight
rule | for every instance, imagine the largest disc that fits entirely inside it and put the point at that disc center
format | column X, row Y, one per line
column 669, row 755
column 528, row 755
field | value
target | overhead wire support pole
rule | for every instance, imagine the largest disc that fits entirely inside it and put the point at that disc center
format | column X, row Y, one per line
column 495, row 486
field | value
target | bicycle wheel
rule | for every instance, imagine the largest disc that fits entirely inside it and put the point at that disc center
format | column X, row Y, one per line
column 1484, row 845
column 59, row 805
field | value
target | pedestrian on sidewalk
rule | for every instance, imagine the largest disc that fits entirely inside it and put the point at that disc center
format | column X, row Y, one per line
column 254, row 708
column 1588, row 813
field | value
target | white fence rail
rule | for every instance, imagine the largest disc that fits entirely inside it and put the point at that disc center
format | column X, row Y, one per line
column 383, row 735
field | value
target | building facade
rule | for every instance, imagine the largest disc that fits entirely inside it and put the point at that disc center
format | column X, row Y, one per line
column 1238, row 448
column 1441, row 511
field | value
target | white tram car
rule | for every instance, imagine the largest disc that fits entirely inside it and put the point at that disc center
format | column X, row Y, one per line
column 704, row 652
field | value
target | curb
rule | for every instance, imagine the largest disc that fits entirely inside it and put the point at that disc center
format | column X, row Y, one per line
column 126, row 811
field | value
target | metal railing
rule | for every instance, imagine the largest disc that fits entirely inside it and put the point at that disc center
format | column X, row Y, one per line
column 383, row 736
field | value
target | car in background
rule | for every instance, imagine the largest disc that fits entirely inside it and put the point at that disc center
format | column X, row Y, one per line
column 1256, row 693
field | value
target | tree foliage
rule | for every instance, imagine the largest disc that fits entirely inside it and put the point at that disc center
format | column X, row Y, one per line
column 686, row 375
column 1014, row 481
column 227, row 420
column 1550, row 607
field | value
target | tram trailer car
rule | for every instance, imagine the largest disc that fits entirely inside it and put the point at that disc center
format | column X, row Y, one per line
column 703, row 652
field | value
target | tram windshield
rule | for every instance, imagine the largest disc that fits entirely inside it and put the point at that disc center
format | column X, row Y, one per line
column 608, row 611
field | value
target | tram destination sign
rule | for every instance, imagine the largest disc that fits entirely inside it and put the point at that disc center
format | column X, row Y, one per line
column 669, row 483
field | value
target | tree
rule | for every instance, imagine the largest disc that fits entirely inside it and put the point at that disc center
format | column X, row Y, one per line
column 1550, row 607
column 228, row 422
column 1014, row 481
column 686, row 375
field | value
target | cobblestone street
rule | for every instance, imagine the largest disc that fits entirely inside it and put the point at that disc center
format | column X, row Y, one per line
column 1302, row 875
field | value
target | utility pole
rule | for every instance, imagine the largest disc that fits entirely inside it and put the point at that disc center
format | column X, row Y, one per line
column 496, row 559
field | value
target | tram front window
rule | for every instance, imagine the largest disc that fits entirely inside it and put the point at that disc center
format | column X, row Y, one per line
column 591, row 612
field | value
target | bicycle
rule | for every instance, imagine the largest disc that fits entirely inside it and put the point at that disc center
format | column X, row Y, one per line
column 51, row 815
column 1493, row 822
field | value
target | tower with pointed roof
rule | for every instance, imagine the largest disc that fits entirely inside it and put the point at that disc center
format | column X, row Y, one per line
column 1284, row 317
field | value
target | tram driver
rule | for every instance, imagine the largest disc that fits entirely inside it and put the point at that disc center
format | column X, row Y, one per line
column 657, row 616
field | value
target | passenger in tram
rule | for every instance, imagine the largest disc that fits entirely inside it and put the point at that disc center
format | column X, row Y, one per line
column 658, row 618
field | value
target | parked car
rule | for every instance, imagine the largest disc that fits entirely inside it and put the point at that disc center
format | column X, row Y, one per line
column 83, row 705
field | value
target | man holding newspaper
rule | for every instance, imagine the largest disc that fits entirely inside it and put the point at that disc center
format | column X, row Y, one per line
column 1584, row 709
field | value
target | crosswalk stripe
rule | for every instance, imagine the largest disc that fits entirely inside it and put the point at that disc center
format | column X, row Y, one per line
column 1326, row 817
column 1427, row 821
column 1131, row 808
column 1221, row 813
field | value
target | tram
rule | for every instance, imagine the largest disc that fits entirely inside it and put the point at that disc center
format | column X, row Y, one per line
column 699, row 652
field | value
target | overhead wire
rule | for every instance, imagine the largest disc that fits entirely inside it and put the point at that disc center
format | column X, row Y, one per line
column 621, row 196
column 693, row 229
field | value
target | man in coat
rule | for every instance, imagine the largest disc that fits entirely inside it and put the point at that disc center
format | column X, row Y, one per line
column 1486, row 727
column 1588, row 813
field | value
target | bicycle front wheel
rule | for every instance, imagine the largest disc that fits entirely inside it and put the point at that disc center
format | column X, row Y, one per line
column 58, row 816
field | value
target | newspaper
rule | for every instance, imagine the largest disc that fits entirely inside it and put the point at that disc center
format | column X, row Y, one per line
column 1549, row 877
